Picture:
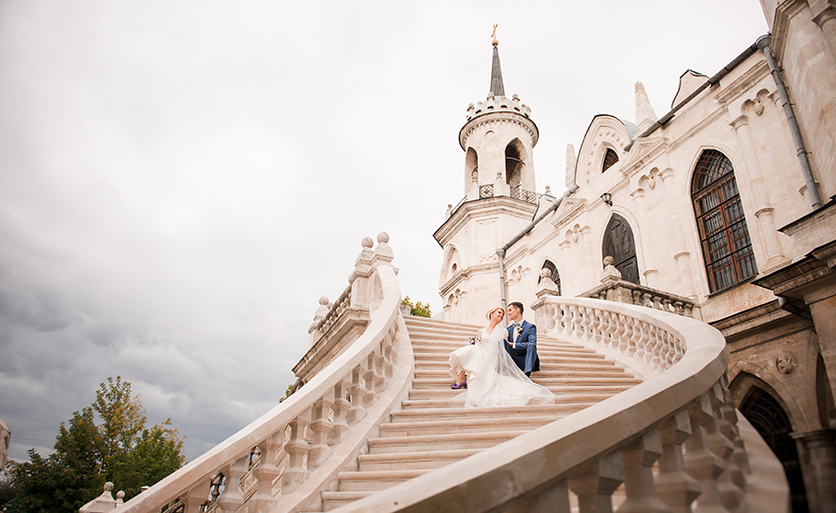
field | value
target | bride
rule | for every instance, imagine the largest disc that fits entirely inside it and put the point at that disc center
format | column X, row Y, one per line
column 492, row 377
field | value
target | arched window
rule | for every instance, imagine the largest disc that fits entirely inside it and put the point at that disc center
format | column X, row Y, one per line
column 554, row 275
column 724, row 236
column 619, row 244
column 772, row 423
column 610, row 158
column 513, row 165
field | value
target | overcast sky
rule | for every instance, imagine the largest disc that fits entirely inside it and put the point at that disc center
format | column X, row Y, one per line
column 181, row 180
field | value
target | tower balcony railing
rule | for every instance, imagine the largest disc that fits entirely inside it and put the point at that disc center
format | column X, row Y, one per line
column 682, row 417
column 292, row 452
column 487, row 191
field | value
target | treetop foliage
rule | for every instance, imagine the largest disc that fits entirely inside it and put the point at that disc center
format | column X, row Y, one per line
column 418, row 309
column 118, row 448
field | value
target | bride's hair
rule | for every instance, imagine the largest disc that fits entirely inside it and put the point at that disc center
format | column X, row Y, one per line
column 492, row 310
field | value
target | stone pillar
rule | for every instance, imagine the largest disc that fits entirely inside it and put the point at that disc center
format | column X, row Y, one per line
column 567, row 280
column 818, row 459
column 763, row 208
column 822, row 305
column 587, row 251
column 681, row 254
column 826, row 20
column 647, row 255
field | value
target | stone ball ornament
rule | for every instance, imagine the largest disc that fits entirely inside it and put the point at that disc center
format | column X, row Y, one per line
column 367, row 242
column 383, row 237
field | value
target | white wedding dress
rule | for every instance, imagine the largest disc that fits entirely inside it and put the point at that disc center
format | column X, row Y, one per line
column 493, row 379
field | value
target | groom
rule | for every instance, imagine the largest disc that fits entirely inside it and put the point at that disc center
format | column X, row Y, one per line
column 522, row 340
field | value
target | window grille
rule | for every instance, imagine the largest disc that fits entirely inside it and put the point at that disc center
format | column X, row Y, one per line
column 610, row 158
column 724, row 235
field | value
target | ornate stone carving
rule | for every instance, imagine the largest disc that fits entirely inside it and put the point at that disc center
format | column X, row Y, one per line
column 786, row 363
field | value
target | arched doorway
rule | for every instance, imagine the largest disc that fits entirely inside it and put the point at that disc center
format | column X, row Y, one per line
column 770, row 420
column 619, row 244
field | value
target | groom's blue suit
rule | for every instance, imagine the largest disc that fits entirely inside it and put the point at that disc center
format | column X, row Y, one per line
column 524, row 352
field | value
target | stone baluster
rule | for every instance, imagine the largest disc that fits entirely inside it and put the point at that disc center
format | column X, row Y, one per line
column 666, row 305
column 595, row 482
column 637, row 297
column 321, row 426
column 612, row 327
column 730, row 493
column 195, row 497
column 740, row 457
column 340, row 407
column 266, row 472
column 561, row 319
column 647, row 300
column 657, row 302
column 574, row 321
column 594, row 325
column 679, row 307
column 640, row 337
column 357, row 392
column 620, row 337
column 370, row 375
column 231, row 499
column 700, row 461
column 380, row 380
column 586, row 332
column 297, row 448
column 628, row 347
column 639, row 457
column 674, row 485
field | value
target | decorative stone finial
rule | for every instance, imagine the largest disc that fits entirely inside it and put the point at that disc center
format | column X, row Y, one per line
column 382, row 253
column 323, row 300
column 108, row 486
column 610, row 273
column 608, row 260
column 494, row 40
column 367, row 242
column 548, row 191
column 383, row 238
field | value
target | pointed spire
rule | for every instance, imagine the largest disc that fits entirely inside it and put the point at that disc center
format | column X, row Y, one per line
column 497, row 87
column 644, row 111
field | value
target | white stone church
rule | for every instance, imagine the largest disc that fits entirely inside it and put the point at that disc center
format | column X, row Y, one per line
column 684, row 292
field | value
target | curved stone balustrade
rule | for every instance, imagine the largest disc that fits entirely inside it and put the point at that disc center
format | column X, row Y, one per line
column 618, row 440
column 289, row 454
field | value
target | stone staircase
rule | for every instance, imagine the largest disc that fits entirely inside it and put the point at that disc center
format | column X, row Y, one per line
column 427, row 433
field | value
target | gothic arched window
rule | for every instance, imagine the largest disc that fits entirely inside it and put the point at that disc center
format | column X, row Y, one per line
column 555, row 276
column 513, row 164
column 772, row 423
column 619, row 244
column 610, row 158
column 724, row 236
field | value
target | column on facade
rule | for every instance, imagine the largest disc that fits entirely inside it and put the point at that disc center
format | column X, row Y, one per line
column 567, row 279
column 591, row 263
column 646, row 247
column 818, row 458
column 826, row 20
column 760, row 197
column 681, row 253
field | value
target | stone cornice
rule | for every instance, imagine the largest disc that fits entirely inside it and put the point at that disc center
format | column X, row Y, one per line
column 746, row 80
column 781, row 24
column 482, row 208
column 644, row 150
column 456, row 281
column 499, row 117
column 574, row 207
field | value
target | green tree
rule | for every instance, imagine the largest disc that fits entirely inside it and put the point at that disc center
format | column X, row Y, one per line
column 418, row 309
column 120, row 448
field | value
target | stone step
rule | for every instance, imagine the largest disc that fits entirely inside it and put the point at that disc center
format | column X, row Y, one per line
column 432, row 424
column 468, row 414
column 412, row 460
column 442, row 392
column 561, row 398
column 435, row 383
column 401, row 444
column 435, row 372
column 375, row 480
column 333, row 500
column 596, row 359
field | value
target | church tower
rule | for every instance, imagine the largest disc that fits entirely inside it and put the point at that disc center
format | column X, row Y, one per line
column 498, row 139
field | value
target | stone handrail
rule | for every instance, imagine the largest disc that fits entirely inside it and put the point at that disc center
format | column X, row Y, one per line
column 631, row 293
column 316, row 431
column 618, row 440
